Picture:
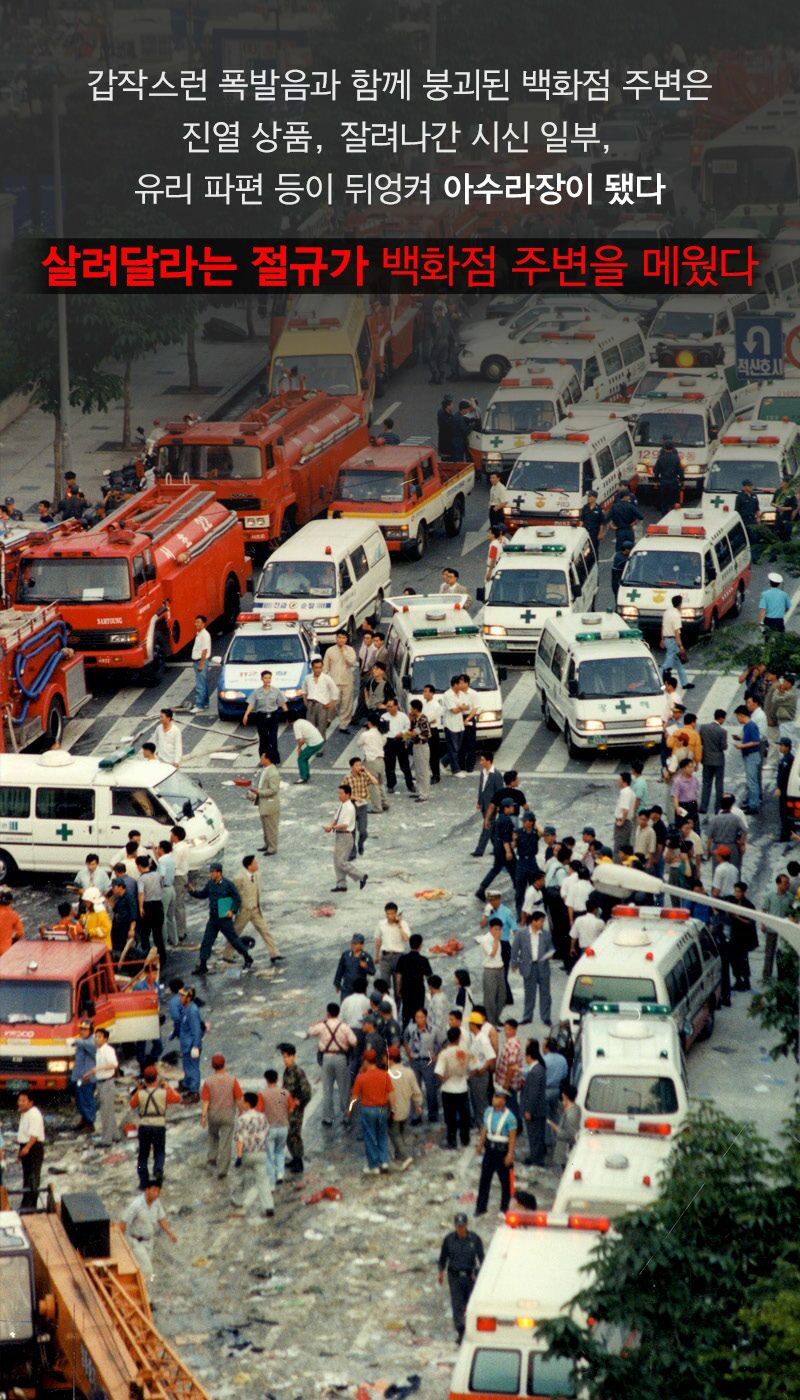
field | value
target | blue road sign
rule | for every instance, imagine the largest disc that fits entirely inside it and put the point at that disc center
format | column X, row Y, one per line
column 759, row 347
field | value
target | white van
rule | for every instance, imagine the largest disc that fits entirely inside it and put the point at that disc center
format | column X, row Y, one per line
column 55, row 808
column 695, row 330
column 542, row 570
column 778, row 398
column 608, row 358
column 488, row 348
column 530, row 400
column 703, row 555
column 629, row 1067
column 704, row 380
column 553, row 475
column 535, row 1265
column 610, row 1172
column 598, row 683
column 646, row 956
column 332, row 573
column 766, row 453
column 691, row 417
column 432, row 638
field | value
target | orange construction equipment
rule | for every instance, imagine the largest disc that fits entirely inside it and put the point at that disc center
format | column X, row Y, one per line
column 75, row 1318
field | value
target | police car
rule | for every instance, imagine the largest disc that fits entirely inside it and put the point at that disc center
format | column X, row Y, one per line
column 265, row 641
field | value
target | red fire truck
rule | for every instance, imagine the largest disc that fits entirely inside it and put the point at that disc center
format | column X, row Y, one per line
column 130, row 588
column 42, row 682
column 277, row 468
column 396, row 324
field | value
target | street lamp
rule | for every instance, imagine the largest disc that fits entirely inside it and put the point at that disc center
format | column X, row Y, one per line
column 612, row 878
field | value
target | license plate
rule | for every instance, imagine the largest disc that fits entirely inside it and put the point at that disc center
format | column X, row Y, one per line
column 16, row 1086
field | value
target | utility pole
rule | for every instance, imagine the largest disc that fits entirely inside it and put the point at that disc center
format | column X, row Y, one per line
column 65, row 454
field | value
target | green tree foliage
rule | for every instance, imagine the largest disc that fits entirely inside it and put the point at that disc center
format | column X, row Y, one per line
column 775, row 1006
column 681, row 1279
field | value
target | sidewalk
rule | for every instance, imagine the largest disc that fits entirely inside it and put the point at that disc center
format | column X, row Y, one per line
column 26, row 447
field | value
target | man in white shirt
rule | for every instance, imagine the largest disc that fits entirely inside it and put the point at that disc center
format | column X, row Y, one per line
column 391, row 940
column 396, row 753
column 494, row 973
column 454, row 707
column 343, row 827
column 355, row 1006
column 584, row 931
column 180, row 852
column 139, row 1223
column 672, row 641
column 623, row 814
column 30, row 1149
column 575, row 891
column 469, row 743
column 452, row 1067
column 372, row 742
column 309, row 742
column 104, row 1072
column 321, row 697
column 201, row 659
column 91, row 876
column 432, row 710
column 167, row 739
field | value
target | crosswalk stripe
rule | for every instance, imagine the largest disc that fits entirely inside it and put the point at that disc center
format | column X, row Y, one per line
column 520, row 697
column 473, row 538
column 516, row 741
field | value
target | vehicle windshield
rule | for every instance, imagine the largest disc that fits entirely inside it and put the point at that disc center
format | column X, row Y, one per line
column 779, row 406
column 664, row 568
column 308, row 579
column 736, row 175
column 73, row 581
column 519, row 588
column 212, row 461
column 181, row 793
column 369, row 486
column 683, row 323
column 520, row 416
column 254, row 650
column 45, row 1003
column 636, row 1094
column 437, row 670
column 607, row 988
column 541, row 475
column 16, row 1313
column 335, row 374
column 618, row 676
column 654, row 427
column 728, row 474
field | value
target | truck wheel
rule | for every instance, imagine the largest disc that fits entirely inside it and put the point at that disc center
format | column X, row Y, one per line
column 231, row 605
column 153, row 672
column 454, row 518
column 549, row 722
column 352, row 632
column 8, row 869
column 708, row 1028
column 738, row 603
column 421, row 542
column 495, row 368
column 288, row 525
column 54, row 728
column 572, row 747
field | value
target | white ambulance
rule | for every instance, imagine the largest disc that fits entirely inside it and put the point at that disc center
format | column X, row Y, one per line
column 689, row 417
column 689, row 331
column 702, row 555
column 765, row 453
column 544, row 569
column 531, row 399
column 55, row 808
column 610, row 1172
column 608, row 358
column 656, row 957
column 552, row 477
column 598, row 683
column 629, row 1066
column 535, row 1265
column 431, row 638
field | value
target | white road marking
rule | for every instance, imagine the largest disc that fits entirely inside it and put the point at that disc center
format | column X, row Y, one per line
column 520, row 697
column 472, row 539
column 387, row 412
column 516, row 741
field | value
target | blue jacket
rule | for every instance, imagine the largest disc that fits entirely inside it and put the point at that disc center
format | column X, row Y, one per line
column 214, row 892
column 85, row 1057
column 175, row 1008
column 190, row 1028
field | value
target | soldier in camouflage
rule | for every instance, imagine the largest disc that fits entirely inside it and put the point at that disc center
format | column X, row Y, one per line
column 295, row 1082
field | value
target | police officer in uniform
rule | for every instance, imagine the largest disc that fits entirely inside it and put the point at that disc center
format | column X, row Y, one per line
column 593, row 519
column 668, row 477
column 295, row 1081
column 462, row 1255
column 498, row 1137
column 623, row 517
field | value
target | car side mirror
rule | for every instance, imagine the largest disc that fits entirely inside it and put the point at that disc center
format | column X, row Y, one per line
column 502, row 673
column 216, row 661
column 480, row 595
column 572, row 688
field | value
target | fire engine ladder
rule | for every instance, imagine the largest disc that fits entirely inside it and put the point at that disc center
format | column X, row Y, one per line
column 158, row 519
column 162, row 1374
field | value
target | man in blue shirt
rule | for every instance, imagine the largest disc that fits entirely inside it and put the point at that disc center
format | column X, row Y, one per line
column 224, row 903
column 749, row 747
column 190, row 1034
column 85, row 1056
column 774, row 604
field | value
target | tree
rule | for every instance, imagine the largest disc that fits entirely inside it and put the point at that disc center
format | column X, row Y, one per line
column 29, row 328
column 767, row 1367
column 680, row 1275
column 776, row 1005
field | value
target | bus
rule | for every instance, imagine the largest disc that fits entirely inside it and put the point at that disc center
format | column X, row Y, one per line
column 756, row 162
